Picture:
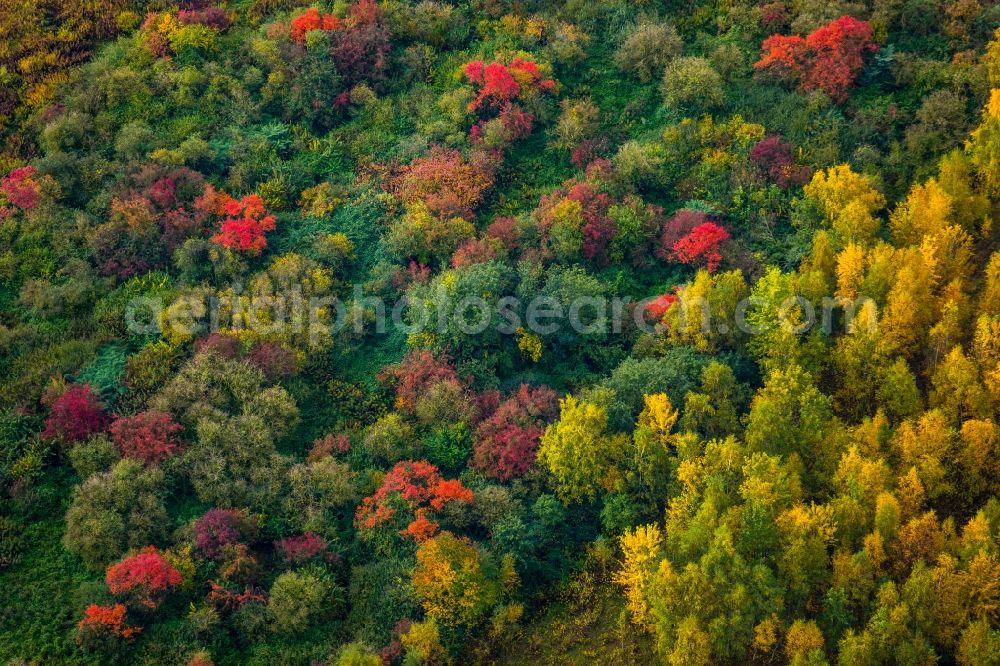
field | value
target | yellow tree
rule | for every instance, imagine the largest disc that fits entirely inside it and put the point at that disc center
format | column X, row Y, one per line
column 849, row 202
column 452, row 581
column 983, row 146
column 641, row 555
column 704, row 315
column 978, row 456
column 956, row 390
column 579, row 453
column 989, row 297
column 986, row 348
column 969, row 207
column 927, row 210
column 907, row 317
column 850, row 271
column 927, row 446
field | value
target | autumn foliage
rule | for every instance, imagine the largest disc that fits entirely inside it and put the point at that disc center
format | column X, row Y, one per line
column 219, row 528
column 312, row 19
column 301, row 548
column 447, row 184
column 507, row 441
column 422, row 489
column 75, row 415
column 773, row 156
column 415, row 374
column 498, row 83
column 148, row 436
column 145, row 577
column 574, row 219
column 828, row 59
column 21, row 188
column 245, row 222
column 658, row 307
column 701, row 246
column 102, row 622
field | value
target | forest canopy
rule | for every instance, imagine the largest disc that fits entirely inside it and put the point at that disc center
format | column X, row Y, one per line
column 385, row 332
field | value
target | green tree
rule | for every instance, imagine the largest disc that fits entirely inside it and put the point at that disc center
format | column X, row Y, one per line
column 115, row 511
column 299, row 598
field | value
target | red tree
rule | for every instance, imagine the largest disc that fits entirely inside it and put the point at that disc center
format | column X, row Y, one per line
column 702, row 244
column 301, row 548
column 21, row 188
column 213, row 17
column 246, row 220
column 415, row 374
column 475, row 251
column 499, row 83
column 219, row 528
column 101, row 622
column 361, row 49
column 328, row 445
column 507, row 441
column 597, row 228
column 312, row 20
column 221, row 344
column 445, row 182
column 420, row 486
column 145, row 577
column 773, row 156
column 658, row 307
column 505, row 230
column 148, row 436
column 516, row 123
column 828, row 59
column 75, row 415
column 677, row 227
column 274, row 359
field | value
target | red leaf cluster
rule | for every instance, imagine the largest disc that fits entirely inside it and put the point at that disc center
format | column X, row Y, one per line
column 221, row 344
column 213, row 17
column 658, row 307
column 223, row 597
column 102, row 621
column 222, row 527
column 421, row 486
column 773, row 156
column 507, row 441
column 445, row 182
column 702, row 244
column 516, row 123
column 246, row 223
column 475, row 251
column 301, row 548
column 146, row 577
column 415, row 374
column 152, row 214
column 677, row 227
column 274, row 359
column 499, row 83
column 148, row 436
column 328, row 445
column 21, row 188
column 75, row 415
column 597, row 228
column 312, row 20
column 505, row 230
column 589, row 150
column 828, row 59
column 361, row 49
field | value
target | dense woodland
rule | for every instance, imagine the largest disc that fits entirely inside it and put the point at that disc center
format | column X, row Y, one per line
column 419, row 494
